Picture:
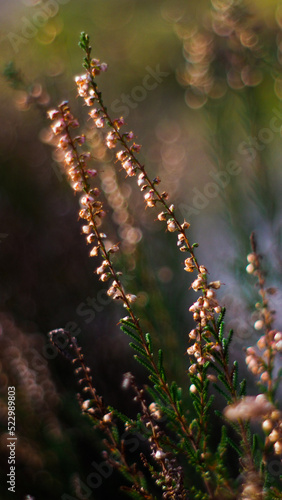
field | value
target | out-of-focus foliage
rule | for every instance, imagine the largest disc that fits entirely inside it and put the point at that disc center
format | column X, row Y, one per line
column 187, row 131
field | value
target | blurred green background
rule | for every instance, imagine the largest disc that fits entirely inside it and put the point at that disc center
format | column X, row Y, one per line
column 218, row 93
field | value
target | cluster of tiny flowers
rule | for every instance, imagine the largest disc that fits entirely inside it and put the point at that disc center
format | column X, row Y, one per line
column 203, row 311
column 91, row 208
column 75, row 163
column 269, row 344
column 259, row 359
column 206, row 306
column 272, row 426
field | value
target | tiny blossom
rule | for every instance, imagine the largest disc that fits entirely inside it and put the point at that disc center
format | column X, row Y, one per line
column 100, row 122
column 278, row 447
column 103, row 66
column 86, row 199
column 135, row 147
column 267, row 426
column 259, row 324
column 94, row 252
column 171, row 226
column 127, row 378
column 90, row 238
column 159, row 455
column 89, row 101
column 108, row 417
column 121, row 155
column 149, row 196
column 105, row 276
column 53, row 113
column 273, row 436
column 210, row 294
column 119, row 122
column 69, row 158
column 162, row 216
column 197, row 284
column 78, row 186
column 58, row 127
column 193, row 388
column 83, row 214
column 131, row 298
column 94, row 113
column 85, row 405
column 114, row 249
column 80, row 139
column 203, row 270
column 155, row 411
column 64, row 142
column 189, row 265
column 91, row 172
column 251, row 257
column 129, row 136
column 250, row 268
column 141, row 179
column 85, row 156
column 215, row 284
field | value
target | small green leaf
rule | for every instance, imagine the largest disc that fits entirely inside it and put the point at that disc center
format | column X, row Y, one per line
column 144, row 363
column 148, row 342
column 242, row 391
column 138, row 349
column 235, row 374
column 131, row 334
column 234, row 445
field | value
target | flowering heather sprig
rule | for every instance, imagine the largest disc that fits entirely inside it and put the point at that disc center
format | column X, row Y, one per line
column 260, row 359
column 209, row 346
column 209, row 349
column 171, row 475
column 103, row 418
column 92, row 211
column 206, row 306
